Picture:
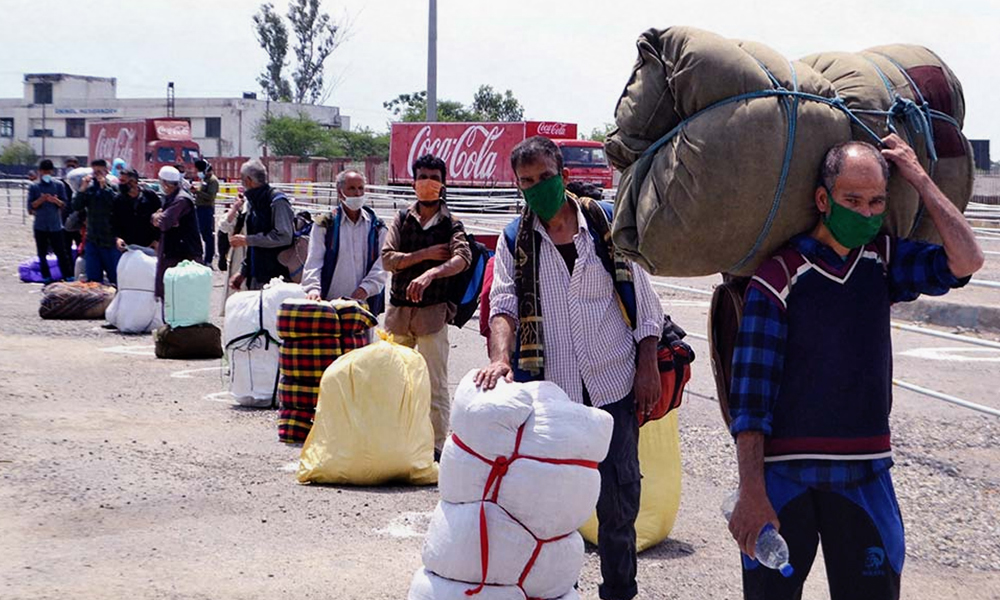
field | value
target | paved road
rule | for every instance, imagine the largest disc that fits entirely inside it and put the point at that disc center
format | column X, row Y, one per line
column 122, row 478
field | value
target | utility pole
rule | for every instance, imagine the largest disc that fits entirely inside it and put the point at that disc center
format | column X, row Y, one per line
column 43, row 130
column 432, row 35
column 170, row 98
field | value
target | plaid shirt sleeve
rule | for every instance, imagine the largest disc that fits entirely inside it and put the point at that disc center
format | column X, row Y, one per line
column 758, row 361
column 917, row 268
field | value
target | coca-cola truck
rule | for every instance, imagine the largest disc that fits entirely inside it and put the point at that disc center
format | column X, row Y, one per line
column 478, row 154
column 145, row 145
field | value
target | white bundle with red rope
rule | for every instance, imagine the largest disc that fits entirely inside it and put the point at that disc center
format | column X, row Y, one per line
column 518, row 478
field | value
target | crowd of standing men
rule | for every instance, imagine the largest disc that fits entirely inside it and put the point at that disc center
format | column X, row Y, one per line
column 811, row 390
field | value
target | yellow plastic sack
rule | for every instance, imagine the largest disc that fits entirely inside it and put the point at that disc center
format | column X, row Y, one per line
column 372, row 422
column 660, row 462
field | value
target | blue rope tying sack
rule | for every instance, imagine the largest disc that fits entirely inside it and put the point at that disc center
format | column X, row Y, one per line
column 918, row 119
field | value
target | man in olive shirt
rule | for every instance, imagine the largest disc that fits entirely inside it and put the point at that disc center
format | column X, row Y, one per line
column 204, row 205
column 424, row 247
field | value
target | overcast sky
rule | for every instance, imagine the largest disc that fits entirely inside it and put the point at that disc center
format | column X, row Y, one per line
column 565, row 60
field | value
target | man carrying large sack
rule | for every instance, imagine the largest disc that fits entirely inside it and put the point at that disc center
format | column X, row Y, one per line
column 812, row 376
column 558, row 312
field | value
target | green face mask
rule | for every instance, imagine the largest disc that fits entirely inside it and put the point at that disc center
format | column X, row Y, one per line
column 546, row 197
column 851, row 229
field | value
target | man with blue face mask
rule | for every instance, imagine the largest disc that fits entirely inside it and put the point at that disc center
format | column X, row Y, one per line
column 46, row 199
column 812, row 376
column 345, row 249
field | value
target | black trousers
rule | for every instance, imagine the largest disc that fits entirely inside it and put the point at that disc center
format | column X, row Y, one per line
column 53, row 239
column 860, row 529
column 618, row 503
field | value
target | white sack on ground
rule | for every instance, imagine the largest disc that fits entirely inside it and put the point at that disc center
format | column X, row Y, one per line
column 253, row 359
column 452, row 550
column 135, row 308
column 428, row 586
column 555, row 428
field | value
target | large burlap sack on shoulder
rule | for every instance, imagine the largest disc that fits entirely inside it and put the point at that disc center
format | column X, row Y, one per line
column 737, row 180
column 372, row 423
column 75, row 300
column 871, row 81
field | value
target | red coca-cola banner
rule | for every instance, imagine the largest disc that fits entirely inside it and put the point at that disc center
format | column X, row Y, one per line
column 550, row 129
column 172, row 130
column 113, row 140
column 477, row 154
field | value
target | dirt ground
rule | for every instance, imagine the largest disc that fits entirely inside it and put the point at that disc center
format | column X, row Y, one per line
column 123, row 477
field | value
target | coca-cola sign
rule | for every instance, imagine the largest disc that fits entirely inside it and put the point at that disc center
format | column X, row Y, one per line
column 114, row 141
column 551, row 129
column 172, row 130
column 475, row 153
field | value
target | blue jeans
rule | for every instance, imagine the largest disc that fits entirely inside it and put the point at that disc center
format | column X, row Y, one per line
column 206, row 226
column 100, row 261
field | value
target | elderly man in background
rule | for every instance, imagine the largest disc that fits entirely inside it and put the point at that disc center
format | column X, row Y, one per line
column 180, row 239
column 269, row 229
column 345, row 249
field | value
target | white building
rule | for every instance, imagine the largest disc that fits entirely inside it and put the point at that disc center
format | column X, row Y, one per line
column 53, row 114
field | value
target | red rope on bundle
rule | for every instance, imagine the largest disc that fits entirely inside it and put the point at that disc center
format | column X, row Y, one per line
column 499, row 467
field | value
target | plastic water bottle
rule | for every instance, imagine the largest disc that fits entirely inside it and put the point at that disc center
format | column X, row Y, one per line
column 771, row 549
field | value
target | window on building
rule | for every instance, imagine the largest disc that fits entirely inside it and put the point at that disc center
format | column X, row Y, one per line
column 7, row 128
column 42, row 133
column 76, row 128
column 43, row 93
column 213, row 127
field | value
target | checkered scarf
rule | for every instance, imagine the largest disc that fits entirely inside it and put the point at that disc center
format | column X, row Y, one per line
column 531, row 358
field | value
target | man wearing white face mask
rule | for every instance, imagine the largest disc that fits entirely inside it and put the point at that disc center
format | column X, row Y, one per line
column 345, row 249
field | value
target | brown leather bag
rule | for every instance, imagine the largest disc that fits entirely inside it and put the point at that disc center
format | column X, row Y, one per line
column 196, row 341
column 724, row 316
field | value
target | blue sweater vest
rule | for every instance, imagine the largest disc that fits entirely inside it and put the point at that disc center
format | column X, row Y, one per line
column 836, row 386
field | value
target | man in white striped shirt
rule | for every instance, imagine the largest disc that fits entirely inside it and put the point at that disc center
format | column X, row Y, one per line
column 578, row 338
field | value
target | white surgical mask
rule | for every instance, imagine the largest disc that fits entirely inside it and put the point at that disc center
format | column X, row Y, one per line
column 355, row 202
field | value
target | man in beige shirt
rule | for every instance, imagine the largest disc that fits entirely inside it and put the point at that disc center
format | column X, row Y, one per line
column 423, row 249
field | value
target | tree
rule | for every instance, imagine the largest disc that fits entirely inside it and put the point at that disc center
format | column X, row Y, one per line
column 487, row 105
column 358, row 144
column 490, row 105
column 598, row 134
column 18, row 153
column 273, row 38
column 292, row 136
column 316, row 37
